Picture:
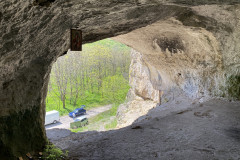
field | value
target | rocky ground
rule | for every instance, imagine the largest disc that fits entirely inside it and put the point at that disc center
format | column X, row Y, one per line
column 191, row 45
column 181, row 129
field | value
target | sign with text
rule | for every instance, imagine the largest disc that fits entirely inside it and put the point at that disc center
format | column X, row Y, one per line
column 76, row 40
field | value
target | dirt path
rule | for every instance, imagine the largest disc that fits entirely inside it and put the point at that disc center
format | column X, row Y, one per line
column 66, row 120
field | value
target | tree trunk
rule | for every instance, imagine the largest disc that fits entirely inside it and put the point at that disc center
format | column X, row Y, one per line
column 63, row 101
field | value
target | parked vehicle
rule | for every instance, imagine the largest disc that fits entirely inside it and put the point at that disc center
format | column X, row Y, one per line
column 77, row 112
column 79, row 122
column 82, row 118
column 52, row 117
column 82, row 106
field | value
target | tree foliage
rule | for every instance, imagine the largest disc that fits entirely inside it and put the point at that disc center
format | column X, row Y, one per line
column 98, row 75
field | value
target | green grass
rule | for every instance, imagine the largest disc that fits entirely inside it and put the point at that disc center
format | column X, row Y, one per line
column 90, row 101
column 114, row 90
column 98, row 76
column 105, row 120
column 111, row 125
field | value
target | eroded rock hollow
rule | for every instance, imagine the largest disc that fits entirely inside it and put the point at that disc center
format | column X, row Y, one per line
column 174, row 58
column 189, row 47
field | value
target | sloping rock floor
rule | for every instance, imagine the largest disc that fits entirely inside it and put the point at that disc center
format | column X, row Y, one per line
column 196, row 131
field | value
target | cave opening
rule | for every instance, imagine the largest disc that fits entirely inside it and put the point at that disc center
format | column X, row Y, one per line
column 190, row 48
column 86, row 88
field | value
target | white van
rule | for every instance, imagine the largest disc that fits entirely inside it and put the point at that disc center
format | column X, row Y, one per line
column 52, row 117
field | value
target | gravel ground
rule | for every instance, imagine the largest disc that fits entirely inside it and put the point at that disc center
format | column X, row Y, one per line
column 66, row 120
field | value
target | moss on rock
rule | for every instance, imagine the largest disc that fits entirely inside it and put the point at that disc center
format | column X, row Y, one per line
column 233, row 86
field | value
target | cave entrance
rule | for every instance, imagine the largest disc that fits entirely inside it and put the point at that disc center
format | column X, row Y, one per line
column 94, row 81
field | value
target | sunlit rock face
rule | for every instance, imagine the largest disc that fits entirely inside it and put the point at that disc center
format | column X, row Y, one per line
column 142, row 96
column 196, row 56
column 195, row 49
column 140, row 79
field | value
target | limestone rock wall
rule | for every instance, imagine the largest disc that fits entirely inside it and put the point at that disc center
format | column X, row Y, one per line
column 142, row 96
column 32, row 35
column 140, row 79
column 185, row 43
column 196, row 56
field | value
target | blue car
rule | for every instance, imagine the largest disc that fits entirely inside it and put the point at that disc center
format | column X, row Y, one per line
column 77, row 112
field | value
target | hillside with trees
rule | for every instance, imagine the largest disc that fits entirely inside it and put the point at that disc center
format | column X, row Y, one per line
column 96, row 76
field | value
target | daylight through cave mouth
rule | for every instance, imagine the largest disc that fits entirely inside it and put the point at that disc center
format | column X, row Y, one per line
column 85, row 88
column 168, row 64
column 192, row 48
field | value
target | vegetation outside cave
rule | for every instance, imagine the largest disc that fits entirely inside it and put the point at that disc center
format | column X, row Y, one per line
column 94, row 77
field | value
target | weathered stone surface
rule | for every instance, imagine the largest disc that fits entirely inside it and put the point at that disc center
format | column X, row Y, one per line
column 142, row 96
column 210, row 130
column 189, row 54
column 140, row 79
column 199, row 57
column 32, row 36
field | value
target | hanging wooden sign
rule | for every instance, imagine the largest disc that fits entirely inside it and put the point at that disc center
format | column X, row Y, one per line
column 76, row 40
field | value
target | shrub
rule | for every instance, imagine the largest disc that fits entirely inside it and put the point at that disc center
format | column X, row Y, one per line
column 51, row 152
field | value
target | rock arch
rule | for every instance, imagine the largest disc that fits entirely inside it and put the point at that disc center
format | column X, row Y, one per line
column 32, row 36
